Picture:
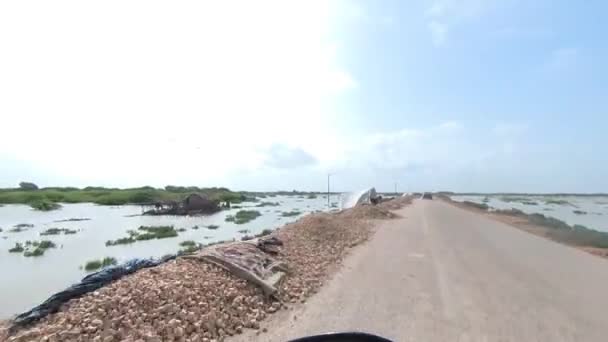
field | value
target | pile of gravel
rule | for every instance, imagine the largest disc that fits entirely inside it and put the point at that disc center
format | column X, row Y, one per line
column 186, row 300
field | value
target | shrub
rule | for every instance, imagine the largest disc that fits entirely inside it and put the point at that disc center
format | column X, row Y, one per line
column 244, row 216
column 57, row 231
column 264, row 233
column 579, row 212
column 17, row 249
column 311, row 196
column 212, row 226
column 97, row 264
column 247, row 238
column 34, row 253
column 481, row 206
column 187, row 243
column 189, row 250
column 44, row 205
column 46, row 244
column 290, row 213
column 268, row 204
column 121, row 241
column 557, row 202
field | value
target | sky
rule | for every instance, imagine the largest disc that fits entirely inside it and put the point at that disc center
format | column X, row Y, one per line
column 423, row 95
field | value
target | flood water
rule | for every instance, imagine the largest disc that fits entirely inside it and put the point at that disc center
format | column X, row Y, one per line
column 595, row 208
column 28, row 281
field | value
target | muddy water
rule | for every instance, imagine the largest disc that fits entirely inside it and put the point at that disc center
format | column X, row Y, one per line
column 595, row 208
column 27, row 281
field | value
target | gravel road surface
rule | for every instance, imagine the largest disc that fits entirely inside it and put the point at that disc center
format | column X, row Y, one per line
column 445, row 274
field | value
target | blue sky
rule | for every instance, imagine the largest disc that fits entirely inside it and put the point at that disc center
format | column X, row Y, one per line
column 466, row 95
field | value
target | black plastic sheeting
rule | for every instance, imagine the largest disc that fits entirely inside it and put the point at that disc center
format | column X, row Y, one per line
column 88, row 284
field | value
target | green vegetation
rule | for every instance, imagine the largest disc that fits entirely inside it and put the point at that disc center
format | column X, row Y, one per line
column 17, row 249
column 264, row 233
column 580, row 212
column 244, row 231
column 486, row 199
column 561, row 231
column 189, row 250
column 181, row 230
column 97, row 264
column 212, row 226
column 156, row 232
column 529, row 203
column 121, row 241
column 311, row 196
column 46, row 198
column 144, row 233
column 73, row 220
column 243, row 216
column 247, row 238
column 44, row 205
column 187, row 243
column 481, row 206
column 558, row 202
column 290, row 213
column 268, row 204
column 34, row 253
column 57, row 231
column 39, row 247
column 195, row 227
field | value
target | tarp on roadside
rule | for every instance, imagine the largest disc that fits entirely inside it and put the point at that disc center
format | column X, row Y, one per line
column 367, row 197
column 250, row 260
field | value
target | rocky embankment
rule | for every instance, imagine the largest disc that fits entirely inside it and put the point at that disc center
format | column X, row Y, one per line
column 187, row 300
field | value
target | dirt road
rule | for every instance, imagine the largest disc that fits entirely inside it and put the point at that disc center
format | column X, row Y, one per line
column 445, row 274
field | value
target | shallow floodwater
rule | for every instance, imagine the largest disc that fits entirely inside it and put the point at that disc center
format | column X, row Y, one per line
column 28, row 281
column 595, row 208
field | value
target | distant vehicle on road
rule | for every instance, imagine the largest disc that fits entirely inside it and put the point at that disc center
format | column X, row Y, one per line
column 427, row 195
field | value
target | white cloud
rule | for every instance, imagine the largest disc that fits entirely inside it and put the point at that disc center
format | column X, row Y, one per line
column 131, row 92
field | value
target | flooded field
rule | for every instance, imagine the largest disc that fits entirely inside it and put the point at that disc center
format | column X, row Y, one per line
column 27, row 281
column 589, row 211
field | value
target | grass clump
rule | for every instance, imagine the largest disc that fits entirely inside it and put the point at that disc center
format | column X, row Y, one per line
column 156, row 232
column 97, row 264
column 36, row 252
column 73, row 219
column 57, row 231
column 212, row 226
column 188, row 250
column 481, row 206
column 144, row 233
column 580, row 212
column 44, row 205
column 187, row 243
column 264, row 233
column 121, row 241
column 290, row 213
column 268, row 204
column 244, row 231
column 243, row 216
column 17, row 249
column 558, row 202
column 529, row 203
column 311, row 196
